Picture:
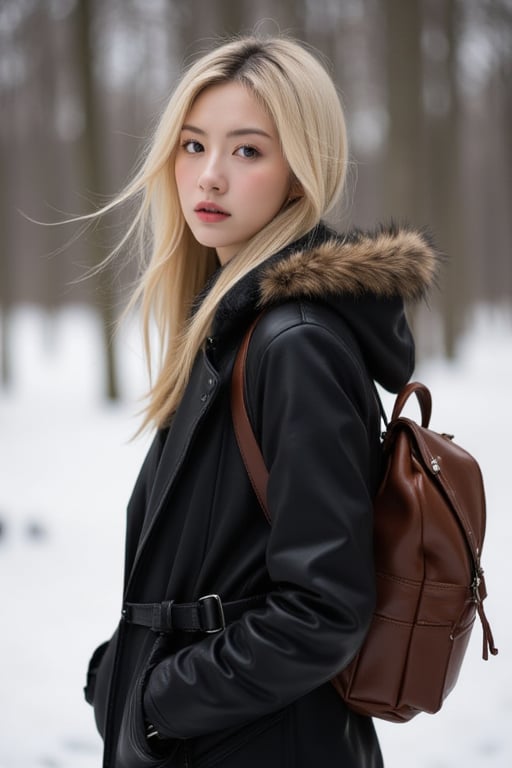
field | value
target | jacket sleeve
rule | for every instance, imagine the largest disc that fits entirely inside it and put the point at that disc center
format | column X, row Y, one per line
column 319, row 556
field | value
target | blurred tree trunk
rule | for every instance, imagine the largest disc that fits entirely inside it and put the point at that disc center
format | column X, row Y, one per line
column 324, row 26
column 45, row 182
column 199, row 23
column 231, row 17
column 404, row 164
column 91, row 145
column 8, row 177
column 5, row 298
column 446, row 196
column 506, row 94
column 497, row 222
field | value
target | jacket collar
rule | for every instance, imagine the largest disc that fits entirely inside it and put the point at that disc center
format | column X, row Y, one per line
column 391, row 262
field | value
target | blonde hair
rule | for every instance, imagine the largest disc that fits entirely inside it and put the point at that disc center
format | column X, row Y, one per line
column 304, row 105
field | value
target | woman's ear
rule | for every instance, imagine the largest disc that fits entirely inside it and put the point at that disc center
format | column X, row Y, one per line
column 296, row 191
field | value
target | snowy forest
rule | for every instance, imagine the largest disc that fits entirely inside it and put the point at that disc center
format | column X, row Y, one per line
column 426, row 86
column 426, row 89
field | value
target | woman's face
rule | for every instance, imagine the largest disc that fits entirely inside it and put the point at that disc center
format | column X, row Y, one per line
column 230, row 172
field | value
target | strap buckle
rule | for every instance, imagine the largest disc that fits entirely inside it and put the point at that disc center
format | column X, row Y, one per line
column 211, row 614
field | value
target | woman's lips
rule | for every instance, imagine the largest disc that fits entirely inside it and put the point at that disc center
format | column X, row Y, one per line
column 210, row 213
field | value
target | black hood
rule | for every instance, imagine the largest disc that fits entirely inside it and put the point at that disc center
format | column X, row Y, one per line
column 365, row 277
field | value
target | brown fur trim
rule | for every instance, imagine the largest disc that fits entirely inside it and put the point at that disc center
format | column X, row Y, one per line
column 397, row 262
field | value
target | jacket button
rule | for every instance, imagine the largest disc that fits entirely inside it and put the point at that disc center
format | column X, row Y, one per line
column 210, row 382
column 204, row 397
column 210, row 340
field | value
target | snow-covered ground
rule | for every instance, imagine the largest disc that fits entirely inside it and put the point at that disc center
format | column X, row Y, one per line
column 66, row 472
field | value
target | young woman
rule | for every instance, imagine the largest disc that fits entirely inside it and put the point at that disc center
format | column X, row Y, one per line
column 248, row 158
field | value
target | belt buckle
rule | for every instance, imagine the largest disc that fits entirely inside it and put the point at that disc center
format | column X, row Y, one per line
column 211, row 614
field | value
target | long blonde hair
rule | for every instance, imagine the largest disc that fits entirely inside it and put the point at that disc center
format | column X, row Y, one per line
column 302, row 100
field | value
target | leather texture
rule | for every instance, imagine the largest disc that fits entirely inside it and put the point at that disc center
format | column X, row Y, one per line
column 261, row 686
column 429, row 532
column 208, row 614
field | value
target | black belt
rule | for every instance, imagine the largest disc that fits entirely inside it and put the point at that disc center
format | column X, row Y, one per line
column 208, row 614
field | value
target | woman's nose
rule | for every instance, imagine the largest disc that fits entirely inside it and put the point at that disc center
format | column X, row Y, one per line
column 212, row 177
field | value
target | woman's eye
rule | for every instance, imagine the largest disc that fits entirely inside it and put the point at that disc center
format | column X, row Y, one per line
column 247, row 152
column 192, row 147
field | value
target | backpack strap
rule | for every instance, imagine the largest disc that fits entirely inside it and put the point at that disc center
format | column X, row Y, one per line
column 258, row 473
column 424, row 399
column 244, row 433
column 247, row 443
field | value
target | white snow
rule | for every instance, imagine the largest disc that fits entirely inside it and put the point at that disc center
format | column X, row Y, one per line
column 66, row 471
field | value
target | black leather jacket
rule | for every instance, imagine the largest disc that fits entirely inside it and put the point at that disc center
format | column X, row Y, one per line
column 334, row 318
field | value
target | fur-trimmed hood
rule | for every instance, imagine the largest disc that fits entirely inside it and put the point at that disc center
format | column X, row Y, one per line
column 366, row 277
column 392, row 262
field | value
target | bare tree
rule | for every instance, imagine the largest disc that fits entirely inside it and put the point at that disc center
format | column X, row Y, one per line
column 92, row 143
column 497, row 221
column 442, row 180
column 5, row 297
column 404, row 165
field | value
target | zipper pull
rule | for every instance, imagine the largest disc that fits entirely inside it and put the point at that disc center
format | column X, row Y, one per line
column 435, row 466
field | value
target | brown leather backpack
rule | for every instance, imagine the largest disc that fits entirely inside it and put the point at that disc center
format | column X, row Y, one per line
column 428, row 536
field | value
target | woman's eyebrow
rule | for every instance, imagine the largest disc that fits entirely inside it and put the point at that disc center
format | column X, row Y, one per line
column 236, row 132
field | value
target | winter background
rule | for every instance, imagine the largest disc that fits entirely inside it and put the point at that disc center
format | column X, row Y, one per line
column 67, row 469
column 81, row 84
